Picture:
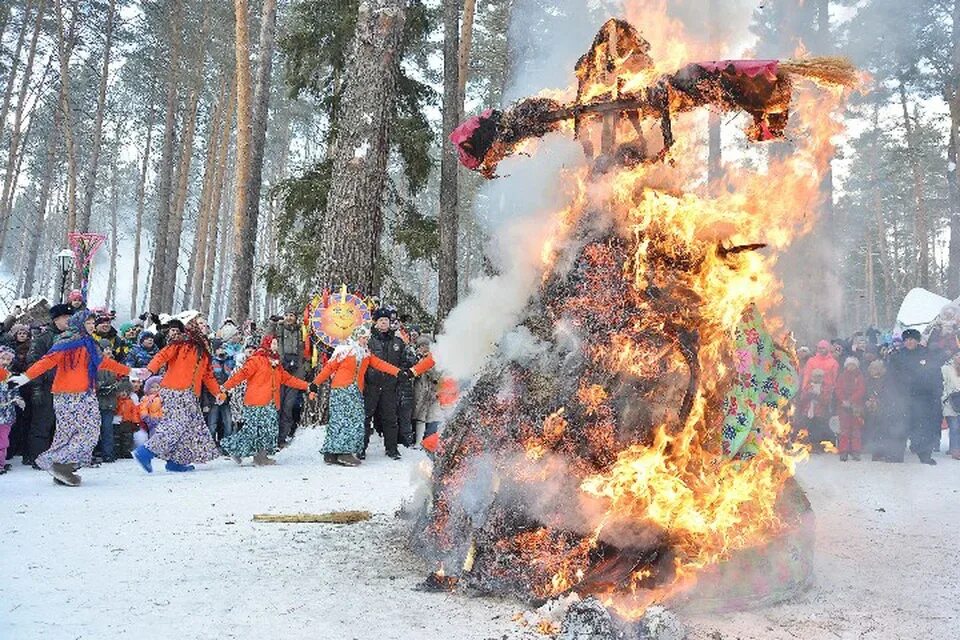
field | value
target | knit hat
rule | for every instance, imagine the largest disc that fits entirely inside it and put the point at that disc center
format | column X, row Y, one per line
column 151, row 384
column 5, row 349
column 145, row 335
column 76, row 294
column 910, row 333
column 17, row 328
column 103, row 318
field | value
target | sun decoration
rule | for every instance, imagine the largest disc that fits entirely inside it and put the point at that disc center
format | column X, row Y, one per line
column 335, row 318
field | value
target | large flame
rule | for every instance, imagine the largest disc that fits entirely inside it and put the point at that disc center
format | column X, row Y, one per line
column 695, row 241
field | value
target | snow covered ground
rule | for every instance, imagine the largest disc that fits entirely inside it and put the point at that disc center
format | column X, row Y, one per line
column 177, row 556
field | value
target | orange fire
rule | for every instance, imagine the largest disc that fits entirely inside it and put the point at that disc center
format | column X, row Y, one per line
column 680, row 484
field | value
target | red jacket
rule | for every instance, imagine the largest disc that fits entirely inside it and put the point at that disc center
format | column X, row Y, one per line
column 851, row 388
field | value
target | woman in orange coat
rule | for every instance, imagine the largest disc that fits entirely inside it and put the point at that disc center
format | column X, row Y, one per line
column 77, row 358
column 264, row 374
column 181, row 436
column 347, row 368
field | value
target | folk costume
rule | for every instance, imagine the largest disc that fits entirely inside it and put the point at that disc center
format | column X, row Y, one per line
column 77, row 358
column 264, row 375
column 181, row 436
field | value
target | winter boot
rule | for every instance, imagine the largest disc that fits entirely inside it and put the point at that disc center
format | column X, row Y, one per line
column 144, row 456
column 927, row 459
column 855, row 456
column 843, row 457
column 64, row 474
column 348, row 460
column 178, row 468
column 237, row 459
column 330, row 458
column 262, row 459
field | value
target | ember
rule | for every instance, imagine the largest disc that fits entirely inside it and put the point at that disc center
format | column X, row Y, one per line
column 646, row 445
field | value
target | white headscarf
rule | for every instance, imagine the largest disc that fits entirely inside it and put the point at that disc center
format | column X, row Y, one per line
column 353, row 347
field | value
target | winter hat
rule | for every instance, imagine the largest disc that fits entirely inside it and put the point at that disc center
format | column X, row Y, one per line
column 75, row 295
column 851, row 360
column 5, row 349
column 187, row 316
column 17, row 328
column 105, row 344
column 104, row 318
column 151, row 384
column 174, row 323
column 823, row 344
column 145, row 335
column 59, row 310
column 216, row 343
column 382, row 312
column 424, row 341
column 910, row 333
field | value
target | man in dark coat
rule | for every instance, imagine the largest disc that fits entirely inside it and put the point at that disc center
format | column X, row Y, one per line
column 380, row 392
column 43, row 420
column 289, row 334
column 916, row 376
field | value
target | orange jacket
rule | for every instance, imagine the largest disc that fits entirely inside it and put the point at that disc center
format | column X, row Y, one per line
column 128, row 410
column 4, row 374
column 150, row 407
column 263, row 381
column 184, row 370
column 71, row 379
column 345, row 371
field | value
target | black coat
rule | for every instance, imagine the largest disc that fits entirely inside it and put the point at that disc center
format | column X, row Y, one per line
column 389, row 348
column 917, row 384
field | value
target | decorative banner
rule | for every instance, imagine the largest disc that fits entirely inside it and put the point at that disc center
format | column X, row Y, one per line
column 338, row 314
column 84, row 246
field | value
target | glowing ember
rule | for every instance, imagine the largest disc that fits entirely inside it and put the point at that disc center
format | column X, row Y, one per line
column 648, row 442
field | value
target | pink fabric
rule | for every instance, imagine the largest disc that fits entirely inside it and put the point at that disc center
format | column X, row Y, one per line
column 830, row 368
column 749, row 68
column 463, row 133
column 4, row 442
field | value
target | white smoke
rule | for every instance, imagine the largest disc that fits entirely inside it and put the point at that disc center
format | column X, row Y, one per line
column 519, row 208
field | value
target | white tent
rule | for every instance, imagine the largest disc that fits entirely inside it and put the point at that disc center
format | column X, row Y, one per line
column 918, row 309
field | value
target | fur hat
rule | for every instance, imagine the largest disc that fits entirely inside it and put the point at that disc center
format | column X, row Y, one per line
column 59, row 310
column 381, row 312
column 910, row 333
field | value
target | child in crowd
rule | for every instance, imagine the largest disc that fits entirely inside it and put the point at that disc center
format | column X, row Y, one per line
column 813, row 410
column 219, row 415
column 128, row 417
column 150, row 410
column 851, row 396
column 8, row 398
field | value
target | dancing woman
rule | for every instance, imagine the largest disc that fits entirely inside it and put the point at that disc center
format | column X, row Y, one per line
column 347, row 368
column 264, row 374
column 77, row 358
column 181, row 436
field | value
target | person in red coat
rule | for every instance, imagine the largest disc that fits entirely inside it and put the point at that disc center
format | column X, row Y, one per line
column 851, row 395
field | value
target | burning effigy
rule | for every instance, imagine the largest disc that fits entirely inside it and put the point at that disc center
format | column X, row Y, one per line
column 642, row 455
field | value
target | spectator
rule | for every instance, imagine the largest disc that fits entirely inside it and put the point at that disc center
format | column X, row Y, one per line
column 879, row 411
column 20, row 342
column 127, row 420
column 406, row 400
column 75, row 300
column 851, row 394
column 951, row 402
column 151, row 407
column 106, row 332
column 108, row 390
column 8, row 401
column 43, row 418
column 128, row 339
column 289, row 335
column 942, row 339
column 427, row 413
column 143, row 352
column 219, row 415
column 813, row 410
column 825, row 361
column 919, row 389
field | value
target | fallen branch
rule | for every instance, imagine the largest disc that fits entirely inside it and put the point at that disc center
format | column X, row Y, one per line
column 333, row 517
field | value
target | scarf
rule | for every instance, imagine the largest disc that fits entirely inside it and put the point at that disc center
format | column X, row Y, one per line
column 192, row 339
column 76, row 338
column 264, row 350
column 350, row 348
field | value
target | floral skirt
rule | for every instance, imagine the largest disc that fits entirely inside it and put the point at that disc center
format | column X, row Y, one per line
column 346, row 424
column 182, row 435
column 259, row 432
column 78, row 430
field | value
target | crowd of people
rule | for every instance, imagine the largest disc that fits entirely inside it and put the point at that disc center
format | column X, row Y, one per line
column 78, row 391
column 870, row 395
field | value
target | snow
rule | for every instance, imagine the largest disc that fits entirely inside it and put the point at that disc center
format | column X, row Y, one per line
column 129, row 555
column 361, row 150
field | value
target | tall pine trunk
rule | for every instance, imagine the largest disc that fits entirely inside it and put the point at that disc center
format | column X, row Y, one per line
column 111, row 299
column 920, row 230
column 141, row 203
column 350, row 248
column 250, row 143
column 165, row 179
column 83, row 219
column 449, row 191
column 12, row 72
column 14, row 155
column 65, row 42
column 205, row 292
column 953, row 171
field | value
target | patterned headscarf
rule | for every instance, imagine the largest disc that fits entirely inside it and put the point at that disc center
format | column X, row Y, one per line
column 272, row 356
column 353, row 346
column 192, row 338
column 75, row 338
